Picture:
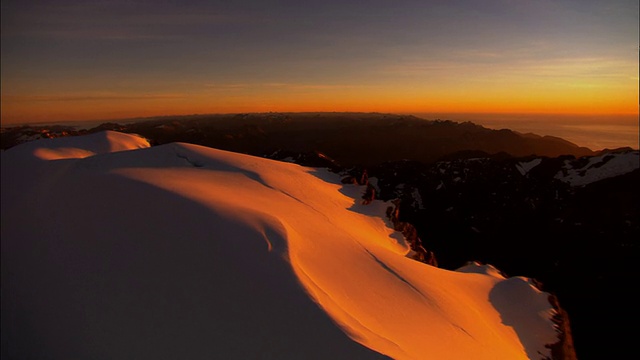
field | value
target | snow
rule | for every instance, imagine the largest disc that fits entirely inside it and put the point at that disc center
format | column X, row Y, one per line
column 81, row 147
column 477, row 268
column 600, row 168
column 525, row 167
column 182, row 251
column 417, row 199
column 373, row 181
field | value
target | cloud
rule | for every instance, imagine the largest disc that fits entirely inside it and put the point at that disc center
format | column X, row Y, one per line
column 499, row 65
column 578, row 67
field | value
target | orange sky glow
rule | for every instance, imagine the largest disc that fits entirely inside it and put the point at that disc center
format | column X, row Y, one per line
column 568, row 99
column 91, row 60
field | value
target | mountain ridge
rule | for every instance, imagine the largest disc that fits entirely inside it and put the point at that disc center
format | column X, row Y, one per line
column 350, row 138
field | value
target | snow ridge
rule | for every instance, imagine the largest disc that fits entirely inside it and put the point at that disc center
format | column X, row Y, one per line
column 186, row 251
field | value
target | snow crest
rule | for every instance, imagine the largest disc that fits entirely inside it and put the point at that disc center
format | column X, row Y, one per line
column 81, row 146
column 182, row 251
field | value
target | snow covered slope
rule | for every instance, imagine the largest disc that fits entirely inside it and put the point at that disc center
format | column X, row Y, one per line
column 82, row 146
column 182, row 251
column 598, row 168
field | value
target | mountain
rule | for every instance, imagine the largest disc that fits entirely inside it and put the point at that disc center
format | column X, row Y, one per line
column 457, row 204
column 571, row 223
column 362, row 139
column 586, row 171
column 114, row 249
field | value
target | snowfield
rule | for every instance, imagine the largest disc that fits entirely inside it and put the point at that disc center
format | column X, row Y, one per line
column 525, row 167
column 183, row 251
column 599, row 168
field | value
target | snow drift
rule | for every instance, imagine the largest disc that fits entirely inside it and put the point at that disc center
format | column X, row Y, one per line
column 182, row 251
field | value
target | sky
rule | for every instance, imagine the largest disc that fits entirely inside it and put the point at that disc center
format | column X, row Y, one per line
column 81, row 60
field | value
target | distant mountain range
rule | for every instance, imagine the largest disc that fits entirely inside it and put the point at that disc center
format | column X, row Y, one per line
column 349, row 138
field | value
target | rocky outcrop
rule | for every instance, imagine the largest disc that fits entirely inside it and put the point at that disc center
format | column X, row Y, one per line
column 12, row 136
column 361, row 177
column 411, row 236
column 369, row 194
column 563, row 349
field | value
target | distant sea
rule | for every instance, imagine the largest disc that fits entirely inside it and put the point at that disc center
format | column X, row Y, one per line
column 595, row 132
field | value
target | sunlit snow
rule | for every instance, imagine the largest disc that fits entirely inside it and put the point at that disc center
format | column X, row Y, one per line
column 183, row 251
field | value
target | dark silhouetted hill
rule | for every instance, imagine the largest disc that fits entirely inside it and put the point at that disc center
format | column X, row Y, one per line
column 349, row 138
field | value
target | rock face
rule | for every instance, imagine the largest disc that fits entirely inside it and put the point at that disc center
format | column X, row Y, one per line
column 13, row 136
column 411, row 235
column 563, row 349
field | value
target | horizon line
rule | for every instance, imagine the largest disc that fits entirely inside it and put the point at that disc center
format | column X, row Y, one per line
column 418, row 114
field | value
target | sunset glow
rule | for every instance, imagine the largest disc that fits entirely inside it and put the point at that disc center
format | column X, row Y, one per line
column 83, row 60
